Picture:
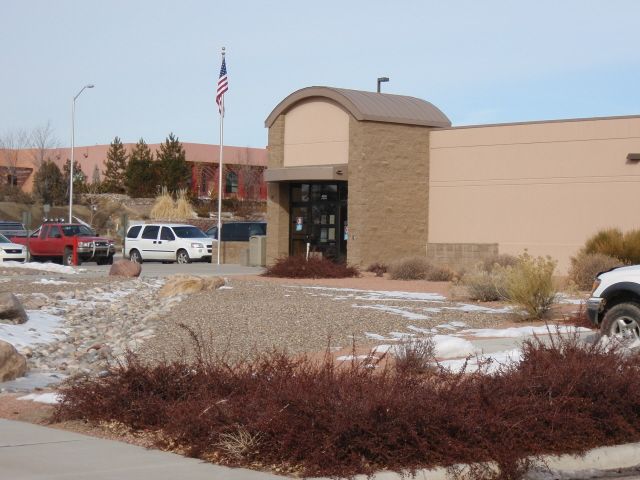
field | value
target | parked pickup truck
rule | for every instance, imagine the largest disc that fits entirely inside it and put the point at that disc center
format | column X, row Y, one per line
column 56, row 240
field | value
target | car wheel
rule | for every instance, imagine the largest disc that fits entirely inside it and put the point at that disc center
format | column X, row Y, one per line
column 67, row 257
column 183, row 257
column 134, row 256
column 622, row 321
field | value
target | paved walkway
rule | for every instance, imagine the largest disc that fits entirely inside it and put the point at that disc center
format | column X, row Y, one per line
column 30, row 452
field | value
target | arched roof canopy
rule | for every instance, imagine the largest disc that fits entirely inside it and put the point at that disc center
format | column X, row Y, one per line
column 369, row 106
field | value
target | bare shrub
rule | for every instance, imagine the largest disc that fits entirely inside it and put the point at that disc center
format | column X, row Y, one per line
column 415, row 355
column 410, row 268
column 529, row 284
column 440, row 273
column 378, row 268
column 317, row 419
column 585, row 267
column 484, row 286
column 314, row 267
column 500, row 260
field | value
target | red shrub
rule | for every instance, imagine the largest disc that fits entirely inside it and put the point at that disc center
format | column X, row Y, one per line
column 314, row 267
column 320, row 419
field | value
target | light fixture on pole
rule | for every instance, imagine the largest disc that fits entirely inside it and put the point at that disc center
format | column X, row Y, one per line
column 73, row 123
column 380, row 80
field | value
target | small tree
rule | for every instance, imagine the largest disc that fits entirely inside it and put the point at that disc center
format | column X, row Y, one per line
column 172, row 164
column 48, row 184
column 79, row 178
column 43, row 144
column 115, row 168
column 141, row 176
column 250, row 177
column 11, row 142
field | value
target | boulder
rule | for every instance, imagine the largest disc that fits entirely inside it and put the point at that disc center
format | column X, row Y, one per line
column 12, row 364
column 125, row 268
column 11, row 310
column 188, row 284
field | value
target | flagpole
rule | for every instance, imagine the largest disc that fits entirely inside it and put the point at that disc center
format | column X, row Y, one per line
column 220, row 173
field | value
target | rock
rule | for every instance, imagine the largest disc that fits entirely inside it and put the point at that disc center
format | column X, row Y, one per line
column 188, row 284
column 12, row 364
column 125, row 268
column 11, row 310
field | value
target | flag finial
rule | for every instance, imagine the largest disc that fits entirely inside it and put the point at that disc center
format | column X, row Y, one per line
column 223, row 50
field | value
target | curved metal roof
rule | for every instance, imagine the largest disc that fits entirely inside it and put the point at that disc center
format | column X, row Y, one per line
column 372, row 106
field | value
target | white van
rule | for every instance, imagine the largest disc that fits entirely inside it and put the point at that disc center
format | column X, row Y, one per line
column 167, row 242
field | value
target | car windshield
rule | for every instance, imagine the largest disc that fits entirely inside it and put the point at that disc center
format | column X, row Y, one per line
column 189, row 232
column 4, row 239
column 77, row 231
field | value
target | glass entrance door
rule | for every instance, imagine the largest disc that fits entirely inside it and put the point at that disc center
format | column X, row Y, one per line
column 319, row 218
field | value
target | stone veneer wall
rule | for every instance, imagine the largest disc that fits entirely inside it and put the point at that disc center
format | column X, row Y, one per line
column 388, row 191
column 460, row 256
column 277, row 197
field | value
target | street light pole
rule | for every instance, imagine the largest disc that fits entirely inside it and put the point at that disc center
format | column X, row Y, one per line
column 73, row 128
column 380, row 80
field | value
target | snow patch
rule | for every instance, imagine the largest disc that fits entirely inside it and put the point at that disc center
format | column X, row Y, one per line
column 346, row 358
column 40, row 328
column 515, row 332
column 394, row 310
column 488, row 363
column 44, row 267
column 447, row 346
column 467, row 307
column 46, row 281
column 48, row 398
column 383, row 295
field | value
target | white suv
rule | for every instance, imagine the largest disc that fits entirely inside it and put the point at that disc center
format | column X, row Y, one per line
column 167, row 242
column 614, row 304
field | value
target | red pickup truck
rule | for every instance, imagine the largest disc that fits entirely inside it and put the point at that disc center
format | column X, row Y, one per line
column 56, row 241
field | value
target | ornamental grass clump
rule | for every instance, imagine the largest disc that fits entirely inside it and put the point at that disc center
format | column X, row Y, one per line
column 314, row 267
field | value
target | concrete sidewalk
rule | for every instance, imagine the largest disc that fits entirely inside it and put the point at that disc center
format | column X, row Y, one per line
column 29, row 452
column 34, row 452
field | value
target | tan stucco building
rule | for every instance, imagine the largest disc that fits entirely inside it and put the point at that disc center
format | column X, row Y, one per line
column 376, row 177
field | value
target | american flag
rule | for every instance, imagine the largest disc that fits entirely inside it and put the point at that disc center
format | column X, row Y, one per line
column 223, row 85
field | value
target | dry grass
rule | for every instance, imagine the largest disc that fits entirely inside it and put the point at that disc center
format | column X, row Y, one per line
column 410, row 268
column 378, row 268
column 414, row 355
column 483, row 286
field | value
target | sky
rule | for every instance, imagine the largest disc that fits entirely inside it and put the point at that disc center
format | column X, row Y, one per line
column 155, row 63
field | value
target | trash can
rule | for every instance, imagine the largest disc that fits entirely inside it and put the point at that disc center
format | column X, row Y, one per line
column 257, row 250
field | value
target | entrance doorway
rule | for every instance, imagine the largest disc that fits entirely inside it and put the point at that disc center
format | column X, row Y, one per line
column 319, row 218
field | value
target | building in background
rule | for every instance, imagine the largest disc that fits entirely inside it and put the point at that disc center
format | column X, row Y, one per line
column 374, row 177
column 243, row 175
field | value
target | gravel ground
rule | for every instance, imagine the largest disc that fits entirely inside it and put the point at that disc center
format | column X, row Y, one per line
column 258, row 315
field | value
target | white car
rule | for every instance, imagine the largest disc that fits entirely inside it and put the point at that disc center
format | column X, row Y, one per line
column 11, row 252
column 614, row 304
column 167, row 242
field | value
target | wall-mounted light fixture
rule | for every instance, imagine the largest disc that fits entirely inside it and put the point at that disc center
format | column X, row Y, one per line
column 633, row 157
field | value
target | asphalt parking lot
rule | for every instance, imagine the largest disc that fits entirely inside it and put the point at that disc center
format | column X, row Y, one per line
column 159, row 269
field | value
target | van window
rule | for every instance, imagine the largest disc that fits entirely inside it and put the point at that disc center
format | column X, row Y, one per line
column 134, row 231
column 150, row 232
column 167, row 234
